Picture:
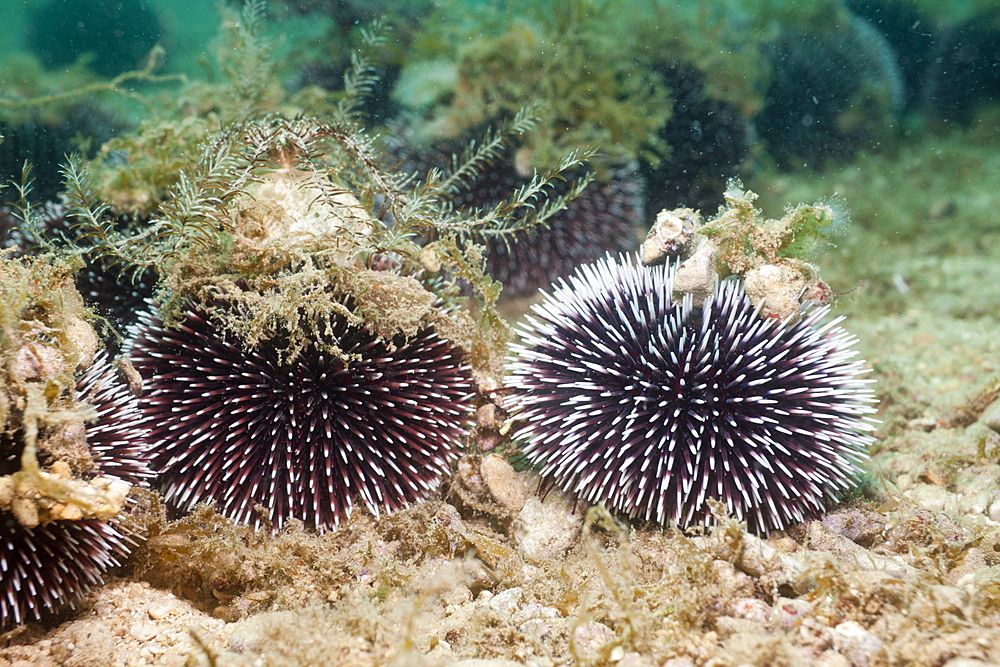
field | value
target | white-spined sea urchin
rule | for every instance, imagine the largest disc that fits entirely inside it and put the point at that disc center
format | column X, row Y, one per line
column 52, row 565
column 654, row 406
column 116, row 436
column 48, row 566
column 303, row 439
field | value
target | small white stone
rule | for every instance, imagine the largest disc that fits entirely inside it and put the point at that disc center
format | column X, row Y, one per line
column 831, row 659
column 537, row 610
column 633, row 659
column 142, row 631
column 547, row 529
column 751, row 609
column 856, row 644
column 508, row 601
column 993, row 511
column 948, row 599
column 536, row 627
column 503, row 483
column 591, row 637
column 789, row 613
column 679, row 662
column 929, row 496
column 159, row 610
column 991, row 416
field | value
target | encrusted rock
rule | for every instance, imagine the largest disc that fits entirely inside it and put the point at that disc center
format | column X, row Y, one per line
column 789, row 613
column 775, row 289
column 592, row 640
column 82, row 337
column 697, row 275
column 36, row 361
column 86, row 642
column 751, row 609
column 759, row 559
column 859, row 526
column 508, row 601
column 991, row 416
column 739, row 584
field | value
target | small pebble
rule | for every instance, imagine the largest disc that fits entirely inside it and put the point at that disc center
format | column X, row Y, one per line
column 788, row 613
column 750, row 609
column 591, row 637
column 159, row 610
column 507, row 601
column 993, row 511
column 538, row 610
column 142, row 631
column 633, row 659
column 991, row 416
column 679, row 662
column 547, row 529
column 856, row 644
column 503, row 483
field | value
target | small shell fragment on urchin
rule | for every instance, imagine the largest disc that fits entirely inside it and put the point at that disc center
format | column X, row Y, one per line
column 654, row 406
column 305, row 439
column 671, row 237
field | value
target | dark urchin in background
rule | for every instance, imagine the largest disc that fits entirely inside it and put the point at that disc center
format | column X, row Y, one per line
column 708, row 141
column 304, row 439
column 604, row 218
column 49, row 566
column 832, row 93
column 114, row 294
column 963, row 73
column 654, row 407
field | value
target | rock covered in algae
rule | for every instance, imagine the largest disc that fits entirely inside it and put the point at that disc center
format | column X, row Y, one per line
column 765, row 254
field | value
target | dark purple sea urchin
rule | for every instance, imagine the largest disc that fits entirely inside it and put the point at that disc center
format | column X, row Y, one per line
column 303, row 439
column 48, row 566
column 654, row 407
column 116, row 437
column 604, row 217
column 45, row 567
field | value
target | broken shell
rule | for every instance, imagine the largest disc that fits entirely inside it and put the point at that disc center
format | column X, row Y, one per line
column 671, row 236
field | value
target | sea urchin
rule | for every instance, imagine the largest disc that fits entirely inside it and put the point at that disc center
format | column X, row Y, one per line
column 303, row 439
column 654, row 406
column 48, row 566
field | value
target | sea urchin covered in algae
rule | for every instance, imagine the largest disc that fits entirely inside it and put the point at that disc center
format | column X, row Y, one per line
column 654, row 406
column 47, row 566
